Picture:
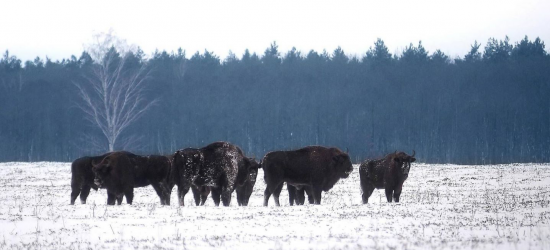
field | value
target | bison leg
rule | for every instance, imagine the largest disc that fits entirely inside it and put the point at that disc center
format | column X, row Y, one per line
column 367, row 192
column 196, row 195
column 301, row 196
column 205, row 191
column 216, row 194
column 84, row 193
column 129, row 193
column 247, row 194
column 270, row 189
column 243, row 194
column 119, row 199
column 226, row 197
column 75, row 186
column 160, row 192
column 182, row 191
column 276, row 194
column 309, row 193
column 167, row 193
column 267, row 193
column 240, row 195
column 396, row 197
column 292, row 192
column 74, row 194
column 397, row 193
column 111, row 198
column 389, row 192
column 317, row 191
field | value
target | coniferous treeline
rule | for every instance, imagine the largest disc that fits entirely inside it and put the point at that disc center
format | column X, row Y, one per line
column 490, row 106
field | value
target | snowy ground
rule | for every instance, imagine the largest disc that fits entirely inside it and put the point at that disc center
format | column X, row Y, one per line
column 443, row 207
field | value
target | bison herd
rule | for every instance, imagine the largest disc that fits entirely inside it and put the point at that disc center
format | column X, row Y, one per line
column 220, row 168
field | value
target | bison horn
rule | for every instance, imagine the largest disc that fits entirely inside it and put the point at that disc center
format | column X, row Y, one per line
column 347, row 150
column 413, row 153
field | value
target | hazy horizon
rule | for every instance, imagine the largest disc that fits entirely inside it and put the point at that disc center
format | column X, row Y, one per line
column 59, row 29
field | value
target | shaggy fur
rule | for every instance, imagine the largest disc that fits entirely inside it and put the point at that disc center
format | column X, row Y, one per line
column 388, row 173
column 219, row 166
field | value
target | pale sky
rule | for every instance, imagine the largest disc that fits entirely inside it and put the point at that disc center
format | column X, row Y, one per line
column 59, row 29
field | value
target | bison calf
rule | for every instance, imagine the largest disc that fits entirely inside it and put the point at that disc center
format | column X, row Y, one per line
column 389, row 173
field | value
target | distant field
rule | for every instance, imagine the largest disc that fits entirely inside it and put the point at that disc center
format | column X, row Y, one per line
column 443, row 207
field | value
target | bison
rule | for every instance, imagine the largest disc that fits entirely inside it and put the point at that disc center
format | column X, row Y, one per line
column 219, row 166
column 184, row 170
column 121, row 172
column 389, row 173
column 245, row 191
column 82, row 177
column 315, row 167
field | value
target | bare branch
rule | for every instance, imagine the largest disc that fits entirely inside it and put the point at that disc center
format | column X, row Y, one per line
column 115, row 98
column 132, row 142
column 90, row 143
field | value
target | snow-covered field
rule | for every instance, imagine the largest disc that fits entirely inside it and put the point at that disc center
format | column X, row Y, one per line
column 443, row 207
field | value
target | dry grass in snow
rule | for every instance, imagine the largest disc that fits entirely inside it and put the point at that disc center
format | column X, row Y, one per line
column 443, row 207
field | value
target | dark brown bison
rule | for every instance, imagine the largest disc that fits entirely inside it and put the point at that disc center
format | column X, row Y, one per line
column 245, row 191
column 389, row 173
column 316, row 167
column 121, row 172
column 82, row 177
column 220, row 166
column 185, row 169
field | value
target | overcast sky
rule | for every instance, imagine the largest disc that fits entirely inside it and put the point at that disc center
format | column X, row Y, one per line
column 59, row 29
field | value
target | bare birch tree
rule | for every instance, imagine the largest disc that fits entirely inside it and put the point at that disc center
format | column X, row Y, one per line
column 112, row 94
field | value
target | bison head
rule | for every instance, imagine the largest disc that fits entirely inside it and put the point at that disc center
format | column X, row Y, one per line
column 253, row 167
column 343, row 164
column 249, row 172
column 101, row 171
column 404, row 161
